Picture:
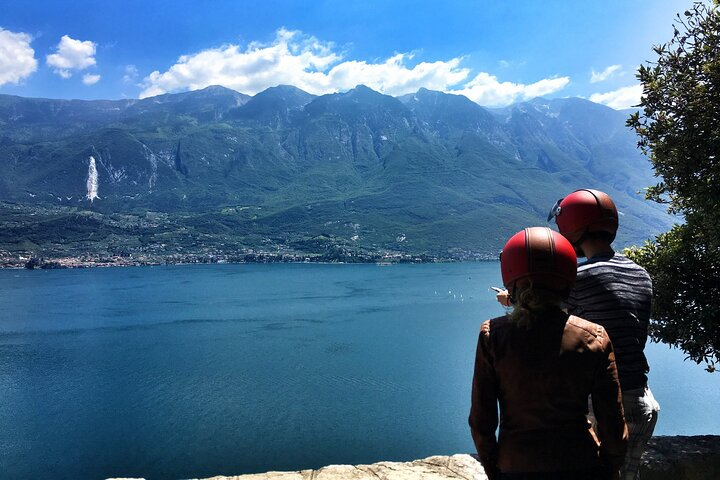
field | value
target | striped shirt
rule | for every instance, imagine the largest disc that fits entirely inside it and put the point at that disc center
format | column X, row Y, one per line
column 613, row 291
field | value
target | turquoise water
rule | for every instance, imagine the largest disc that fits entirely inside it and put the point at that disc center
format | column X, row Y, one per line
column 195, row 371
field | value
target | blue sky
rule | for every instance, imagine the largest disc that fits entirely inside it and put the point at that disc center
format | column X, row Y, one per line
column 495, row 52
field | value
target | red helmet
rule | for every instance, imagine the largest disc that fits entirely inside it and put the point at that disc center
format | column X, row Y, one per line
column 539, row 256
column 585, row 211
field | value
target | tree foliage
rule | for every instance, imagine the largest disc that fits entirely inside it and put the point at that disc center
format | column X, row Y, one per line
column 679, row 128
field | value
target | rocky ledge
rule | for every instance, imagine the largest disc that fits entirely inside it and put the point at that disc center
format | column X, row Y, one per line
column 682, row 458
column 666, row 458
column 461, row 467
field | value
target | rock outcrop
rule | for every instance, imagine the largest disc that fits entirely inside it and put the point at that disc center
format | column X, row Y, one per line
column 682, row 458
column 666, row 458
column 461, row 467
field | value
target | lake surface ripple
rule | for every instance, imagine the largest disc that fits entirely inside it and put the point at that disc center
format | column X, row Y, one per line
column 194, row 371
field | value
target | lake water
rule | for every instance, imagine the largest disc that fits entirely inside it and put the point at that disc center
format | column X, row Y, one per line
column 194, row 371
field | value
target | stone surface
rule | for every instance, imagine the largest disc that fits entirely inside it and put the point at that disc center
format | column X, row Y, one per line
column 666, row 458
column 460, row 467
column 682, row 458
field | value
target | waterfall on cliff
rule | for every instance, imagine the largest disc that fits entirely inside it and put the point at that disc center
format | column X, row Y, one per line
column 92, row 181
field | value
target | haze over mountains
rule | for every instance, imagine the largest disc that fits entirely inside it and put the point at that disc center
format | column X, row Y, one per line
column 426, row 173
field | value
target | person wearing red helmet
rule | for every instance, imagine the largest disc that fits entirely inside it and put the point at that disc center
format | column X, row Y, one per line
column 540, row 364
column 586, row 214
column 614, row 292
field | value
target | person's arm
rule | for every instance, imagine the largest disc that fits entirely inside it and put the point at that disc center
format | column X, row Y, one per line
column 607, row 406
column 503, row 298
column 484, row 408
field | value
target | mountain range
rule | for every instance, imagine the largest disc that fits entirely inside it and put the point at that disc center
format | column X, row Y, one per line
column 286, row 171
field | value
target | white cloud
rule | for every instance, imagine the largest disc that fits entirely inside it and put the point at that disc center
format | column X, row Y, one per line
column 511, row 63
column 90, row 79
column 131, row 74
column 485, row 89
column 621, row 98
column 596, row 77
column 17, row 57
column 393, row 77
column 72, row 55
column 297, row 59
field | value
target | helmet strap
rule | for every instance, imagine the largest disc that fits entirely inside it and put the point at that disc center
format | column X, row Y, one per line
column 580, row 239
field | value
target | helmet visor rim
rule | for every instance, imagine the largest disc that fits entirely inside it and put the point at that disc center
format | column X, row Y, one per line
column 555, row 210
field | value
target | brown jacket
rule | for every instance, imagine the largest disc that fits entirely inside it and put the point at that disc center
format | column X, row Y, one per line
column 541, row 377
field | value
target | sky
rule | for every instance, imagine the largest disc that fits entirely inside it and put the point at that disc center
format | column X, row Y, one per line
column 494, row 52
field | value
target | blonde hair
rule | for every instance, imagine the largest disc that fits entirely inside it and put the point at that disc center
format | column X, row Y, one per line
column 530, row 304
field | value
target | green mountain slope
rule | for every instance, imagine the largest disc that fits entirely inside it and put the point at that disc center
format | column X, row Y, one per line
column 358, row 171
